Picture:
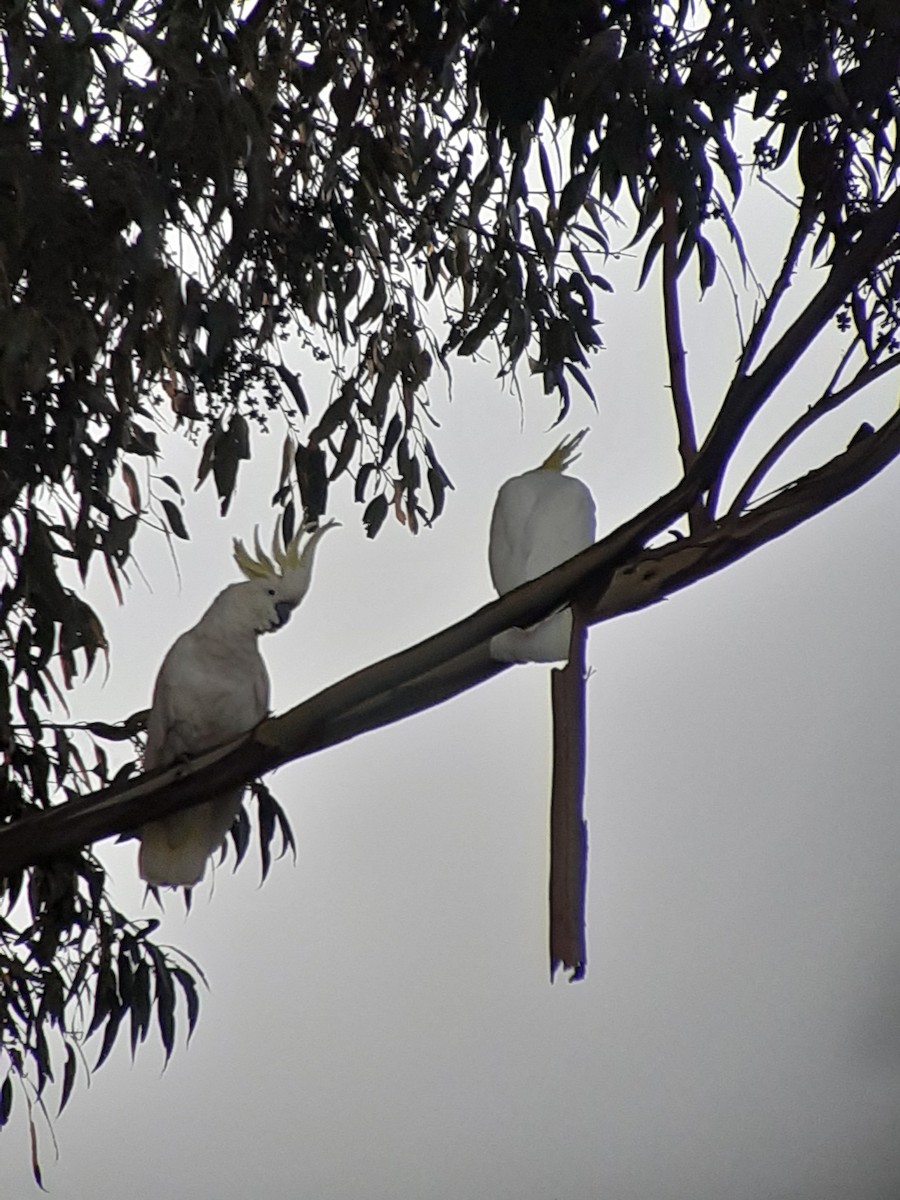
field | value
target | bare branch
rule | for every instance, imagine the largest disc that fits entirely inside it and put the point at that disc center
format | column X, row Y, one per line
column 801, row 231
column 614, row 576
column 842, row 366
column 684, row 417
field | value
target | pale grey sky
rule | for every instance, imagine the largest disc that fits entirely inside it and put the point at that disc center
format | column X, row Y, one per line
column 380, row 1023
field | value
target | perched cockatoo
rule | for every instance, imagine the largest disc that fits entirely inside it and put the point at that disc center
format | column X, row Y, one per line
column 212, row 687
column 541, row 519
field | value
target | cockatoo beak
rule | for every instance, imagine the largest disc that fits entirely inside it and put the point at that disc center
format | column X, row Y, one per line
column 284, row 609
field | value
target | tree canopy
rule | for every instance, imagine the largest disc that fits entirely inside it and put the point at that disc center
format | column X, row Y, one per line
column 197, row 196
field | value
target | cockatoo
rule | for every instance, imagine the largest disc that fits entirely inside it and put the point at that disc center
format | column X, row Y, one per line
column 212, row 687
column 540, row 519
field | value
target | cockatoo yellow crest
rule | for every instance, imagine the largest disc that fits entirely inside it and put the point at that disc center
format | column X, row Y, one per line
column 212, row 687
column 540, row 519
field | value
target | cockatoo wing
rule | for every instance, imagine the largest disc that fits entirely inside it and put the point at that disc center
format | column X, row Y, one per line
column 540, row 519
column 207, row 692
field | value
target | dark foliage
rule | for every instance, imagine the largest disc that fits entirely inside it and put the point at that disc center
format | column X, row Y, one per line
column 187, row 184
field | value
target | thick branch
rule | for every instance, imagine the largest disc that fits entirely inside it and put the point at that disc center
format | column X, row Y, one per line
column 612, row 577
column 825, row 404
column 655, row 574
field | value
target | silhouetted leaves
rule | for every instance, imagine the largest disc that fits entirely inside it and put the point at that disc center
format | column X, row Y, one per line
column 312, row 479
column 376, row 511
column 6, row 1100
column 190, row 194
column 175, row 519
column 272, row 819
column 292, row 383
column 75, row 958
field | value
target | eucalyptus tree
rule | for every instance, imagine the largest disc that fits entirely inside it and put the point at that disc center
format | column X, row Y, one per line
column 198, row 198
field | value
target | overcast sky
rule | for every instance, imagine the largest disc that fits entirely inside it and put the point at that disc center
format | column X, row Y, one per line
column 380, row 1022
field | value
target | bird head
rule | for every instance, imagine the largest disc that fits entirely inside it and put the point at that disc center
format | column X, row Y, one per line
column 282, row 579
column 564, row 454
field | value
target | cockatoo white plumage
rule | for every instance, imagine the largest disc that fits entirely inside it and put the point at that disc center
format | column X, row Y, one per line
column 212, row 687
column 540, row 519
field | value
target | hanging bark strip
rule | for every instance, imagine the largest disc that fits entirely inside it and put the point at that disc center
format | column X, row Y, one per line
column 568, row 828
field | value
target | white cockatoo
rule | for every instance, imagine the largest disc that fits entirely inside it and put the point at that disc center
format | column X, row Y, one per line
column 540, row 519
column 212, row 687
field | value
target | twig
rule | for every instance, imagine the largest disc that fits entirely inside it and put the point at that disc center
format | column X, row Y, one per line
column 842, row 363
column 119, row 731
column 802, row 230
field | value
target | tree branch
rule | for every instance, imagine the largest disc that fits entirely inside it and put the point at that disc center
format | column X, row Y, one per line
column 801, row 231
column 655, row 574
column 825, row 404
column 400, row 684
column 681, row 400
column 614, row 576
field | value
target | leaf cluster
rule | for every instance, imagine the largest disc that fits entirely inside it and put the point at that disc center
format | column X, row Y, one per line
column 73, row 966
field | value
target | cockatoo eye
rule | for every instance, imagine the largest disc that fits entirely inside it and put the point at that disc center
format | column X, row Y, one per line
column 270, row 591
